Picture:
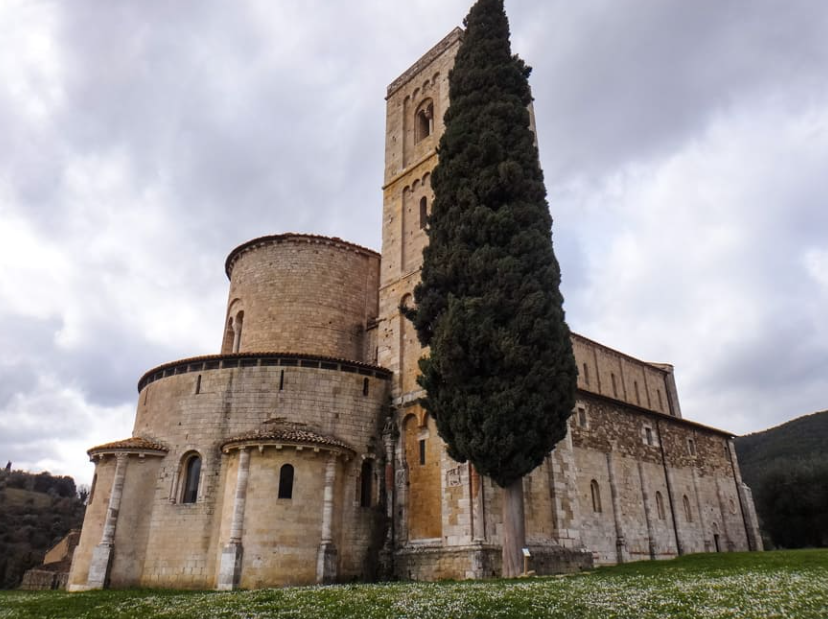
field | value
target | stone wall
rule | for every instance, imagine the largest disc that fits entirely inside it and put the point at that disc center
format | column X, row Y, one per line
column 612, row 374
column 483, row 561
column 661, row 493
column 302, row 293
column 163, row 541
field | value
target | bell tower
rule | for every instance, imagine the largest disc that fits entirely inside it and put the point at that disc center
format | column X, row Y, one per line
column 416, row 103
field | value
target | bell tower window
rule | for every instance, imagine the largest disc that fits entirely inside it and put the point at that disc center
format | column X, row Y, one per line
column 424, row 120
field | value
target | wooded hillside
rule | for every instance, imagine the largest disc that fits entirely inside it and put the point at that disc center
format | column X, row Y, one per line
column 787, row 469
column 36, row 512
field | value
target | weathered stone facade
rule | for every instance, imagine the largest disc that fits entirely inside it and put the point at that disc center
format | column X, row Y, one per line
column 300, row 454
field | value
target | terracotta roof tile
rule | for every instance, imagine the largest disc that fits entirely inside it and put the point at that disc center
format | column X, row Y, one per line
column 288, row 435
column 135, row 443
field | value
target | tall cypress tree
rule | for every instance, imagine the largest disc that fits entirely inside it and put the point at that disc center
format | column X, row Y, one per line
column 500, row 376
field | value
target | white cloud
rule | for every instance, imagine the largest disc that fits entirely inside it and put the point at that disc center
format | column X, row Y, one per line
column 693, row 257
column 51, row 427
column 684, row 145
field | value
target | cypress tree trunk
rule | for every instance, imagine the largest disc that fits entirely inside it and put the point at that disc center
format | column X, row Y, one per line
column 514, row 530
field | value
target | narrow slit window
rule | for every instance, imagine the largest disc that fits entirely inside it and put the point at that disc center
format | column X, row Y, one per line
column 691, row 447
column 238, row 323
column 282, row 381
column 192, row 476
column 637, row 394
column 660, row 403
column 596, row 496
column 582, row 417
column 688, row 513
column 198, row 385
column 614, row 386
column 286, row 482
column 422, row 451
column 366, row 485
column 423, row 212
column 365, row 386
column 660, row 506
column 586, row 374
column 648, row 435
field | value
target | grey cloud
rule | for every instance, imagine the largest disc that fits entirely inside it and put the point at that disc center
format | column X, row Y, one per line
column 634, row 80
column 231, row 122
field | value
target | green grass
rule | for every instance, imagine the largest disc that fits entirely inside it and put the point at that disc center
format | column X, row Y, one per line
column 742, row 585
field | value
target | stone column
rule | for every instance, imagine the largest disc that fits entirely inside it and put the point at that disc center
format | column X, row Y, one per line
column 648, row 515
column 567, row 517
column 731, row 547
column 327, row 555
column 389, row 435
column 622, row 555
column 752, row 532
column 231, row 554
column 708, row 542
column 477, row 511
column 101, row 563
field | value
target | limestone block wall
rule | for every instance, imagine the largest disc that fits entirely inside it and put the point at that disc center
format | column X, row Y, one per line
column 186, row 540
column 202, row 401
column 607, row 372
column 409, row 159
column 616, row 486
column 281, row 537
column 423, row 454
column 192, row 406
column 425, row 79
column 301, row 293
column 93, row 522
column 674, row 486
column 134, row 521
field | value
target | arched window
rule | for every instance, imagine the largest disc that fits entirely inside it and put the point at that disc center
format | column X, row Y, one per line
column 192, row 476
column 688, row 513
column 286, row 482
column 366, row 484
column 238, row 322
column 596, row 496
column 423, row 212
column 424, row 120
column 660, row 506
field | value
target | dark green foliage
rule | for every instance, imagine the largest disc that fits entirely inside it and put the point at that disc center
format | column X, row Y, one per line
column 787, row 469
column 500, row 378
column 792, row 500
column 36, row 512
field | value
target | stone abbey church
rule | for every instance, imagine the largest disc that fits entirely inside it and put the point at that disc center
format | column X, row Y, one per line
column 299, row 454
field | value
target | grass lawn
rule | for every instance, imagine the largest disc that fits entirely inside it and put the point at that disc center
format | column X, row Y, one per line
column 756, row 585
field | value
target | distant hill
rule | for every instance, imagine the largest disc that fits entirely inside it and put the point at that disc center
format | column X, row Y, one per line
column 36, row 512
column 803, row 438
column 787, row 469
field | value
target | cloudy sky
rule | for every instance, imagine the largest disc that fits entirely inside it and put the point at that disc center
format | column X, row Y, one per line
column 685, row 147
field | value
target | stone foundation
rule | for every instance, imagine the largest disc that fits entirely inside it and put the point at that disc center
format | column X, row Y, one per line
column 482, row 561
column 40, row 580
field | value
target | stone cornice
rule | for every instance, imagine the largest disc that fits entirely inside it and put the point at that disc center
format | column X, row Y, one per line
column 260, row 359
